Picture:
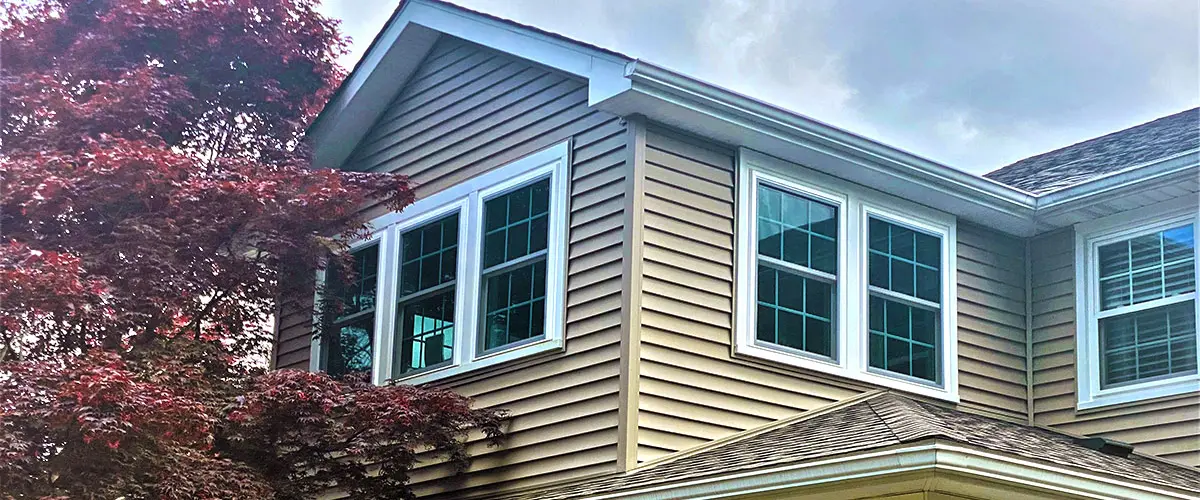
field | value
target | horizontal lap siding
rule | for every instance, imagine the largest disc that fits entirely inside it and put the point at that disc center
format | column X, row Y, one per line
column 468, row 110
column 692, row 389
column 991, row 321
column 1167, row 427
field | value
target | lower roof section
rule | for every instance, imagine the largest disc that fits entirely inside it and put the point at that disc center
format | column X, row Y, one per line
column 881, row 437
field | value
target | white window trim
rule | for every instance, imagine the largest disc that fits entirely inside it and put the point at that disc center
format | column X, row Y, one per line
column 855, row 203
column 1089, row 236
column 467, row 199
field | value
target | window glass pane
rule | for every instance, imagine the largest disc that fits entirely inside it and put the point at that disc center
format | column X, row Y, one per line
column 358, row 293
column 795, row 311
column 1147, row 267
column 515, row 224
column 797, row 229
column 428, row 255
column 426, row 332
column 348, row 349
column 904, row 260
column 514, row 305
column 903, row 339
column 1148, row 344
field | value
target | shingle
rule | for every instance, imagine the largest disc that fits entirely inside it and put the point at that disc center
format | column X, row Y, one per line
column 1161, row 138
column 884, row 420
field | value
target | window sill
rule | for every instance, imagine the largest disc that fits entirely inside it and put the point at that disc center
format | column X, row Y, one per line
column 485, row 361
column 779, row 357
column 1140, row 392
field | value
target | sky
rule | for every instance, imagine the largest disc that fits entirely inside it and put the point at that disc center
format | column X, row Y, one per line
column 974, row 84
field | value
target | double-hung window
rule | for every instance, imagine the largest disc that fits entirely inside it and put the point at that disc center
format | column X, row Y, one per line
column 464, row 278
column 1138, row 308
column 838, row 278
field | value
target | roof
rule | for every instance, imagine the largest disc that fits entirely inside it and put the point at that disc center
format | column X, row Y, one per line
column 870, row 423
column 1162, row 138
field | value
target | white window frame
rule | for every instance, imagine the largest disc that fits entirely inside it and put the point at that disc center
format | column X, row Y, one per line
column 1089, row 236
column 855, row 203
column 467, row 200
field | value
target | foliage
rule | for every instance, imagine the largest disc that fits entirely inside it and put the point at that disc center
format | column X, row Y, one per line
column 156, row 210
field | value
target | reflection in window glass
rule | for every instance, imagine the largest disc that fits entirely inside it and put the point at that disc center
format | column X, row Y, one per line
column 347, row 342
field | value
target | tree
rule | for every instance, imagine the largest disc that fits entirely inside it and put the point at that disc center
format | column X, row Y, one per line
column 156, row 208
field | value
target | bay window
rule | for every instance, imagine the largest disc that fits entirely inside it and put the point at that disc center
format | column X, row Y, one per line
column 464, row 278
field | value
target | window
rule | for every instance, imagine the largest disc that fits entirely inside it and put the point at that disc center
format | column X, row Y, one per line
column 904, row 269
column 797, row 271
column 837, row 278
column 428, row 267
column 467, row 277
column 1138, row 308
column 352, row 326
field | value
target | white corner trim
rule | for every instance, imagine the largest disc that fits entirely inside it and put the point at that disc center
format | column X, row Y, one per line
column 855, row 203
column 1089, row 236
column 467, row 200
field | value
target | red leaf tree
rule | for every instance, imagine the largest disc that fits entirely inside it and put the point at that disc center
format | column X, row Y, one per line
column 156, row 210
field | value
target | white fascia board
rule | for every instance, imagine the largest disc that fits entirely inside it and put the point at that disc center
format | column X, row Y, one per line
column 928, row 456
column 405, row 40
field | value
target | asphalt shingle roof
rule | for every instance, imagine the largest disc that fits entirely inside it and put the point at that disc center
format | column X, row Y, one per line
column 1161, row 138
column 884, row 420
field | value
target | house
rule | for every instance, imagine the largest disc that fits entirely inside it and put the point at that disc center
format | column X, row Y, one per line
column 683, row 292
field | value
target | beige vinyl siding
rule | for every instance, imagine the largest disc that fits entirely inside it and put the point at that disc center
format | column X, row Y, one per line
column 468, row 110
column 692, row 389
column 991, row 321
column 1167, row 427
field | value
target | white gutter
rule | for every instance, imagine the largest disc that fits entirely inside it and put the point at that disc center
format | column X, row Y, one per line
column 1146, row 172
column 812, row 130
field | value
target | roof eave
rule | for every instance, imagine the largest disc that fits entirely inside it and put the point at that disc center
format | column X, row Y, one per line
column 711, row 111
column 929, row 456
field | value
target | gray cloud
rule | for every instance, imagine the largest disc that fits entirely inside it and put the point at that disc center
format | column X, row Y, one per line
column 974, row 84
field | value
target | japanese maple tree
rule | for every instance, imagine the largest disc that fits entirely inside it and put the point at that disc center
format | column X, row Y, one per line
column 156, row 209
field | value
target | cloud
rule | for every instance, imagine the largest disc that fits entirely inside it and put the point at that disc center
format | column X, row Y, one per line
column 974, row 84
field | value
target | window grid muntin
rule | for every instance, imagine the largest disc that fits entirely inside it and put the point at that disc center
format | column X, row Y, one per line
column 409, row 336
column 535, row 214
column 533, row 258
column 535, row 301
column 886, row 296
column 1169, row 338
column 1130, row 272
column 352, row 298
column 803, row 271
column 447, row 226
column 775, row 308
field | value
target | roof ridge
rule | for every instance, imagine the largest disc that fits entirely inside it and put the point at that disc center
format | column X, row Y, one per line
column 749, row 433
